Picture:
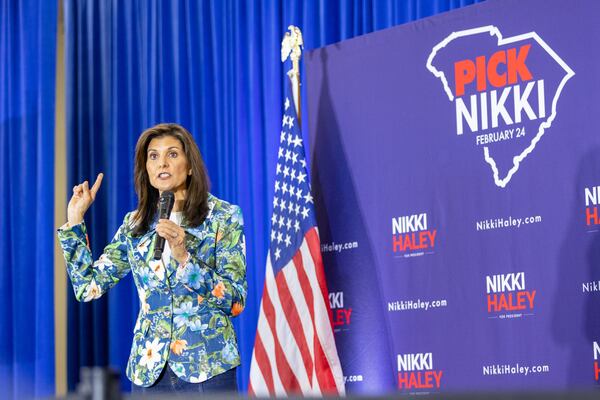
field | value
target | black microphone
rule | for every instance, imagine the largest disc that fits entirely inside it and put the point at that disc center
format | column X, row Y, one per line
column 165, row 205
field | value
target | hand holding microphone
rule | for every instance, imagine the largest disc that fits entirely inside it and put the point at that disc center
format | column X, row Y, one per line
column 167, row 229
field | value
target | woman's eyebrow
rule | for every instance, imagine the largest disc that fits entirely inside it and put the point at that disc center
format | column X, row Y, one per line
column 172, row 147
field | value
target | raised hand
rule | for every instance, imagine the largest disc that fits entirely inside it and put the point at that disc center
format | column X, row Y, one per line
column 82, row 199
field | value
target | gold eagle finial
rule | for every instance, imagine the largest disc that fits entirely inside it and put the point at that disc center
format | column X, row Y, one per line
column 292, row 44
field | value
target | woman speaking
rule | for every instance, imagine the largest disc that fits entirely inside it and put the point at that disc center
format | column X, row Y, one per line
column 183, row 338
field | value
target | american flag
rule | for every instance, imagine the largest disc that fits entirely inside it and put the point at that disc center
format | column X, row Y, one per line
column 294, row 351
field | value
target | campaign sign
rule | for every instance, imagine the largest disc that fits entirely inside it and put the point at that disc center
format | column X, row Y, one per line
column 456, row 177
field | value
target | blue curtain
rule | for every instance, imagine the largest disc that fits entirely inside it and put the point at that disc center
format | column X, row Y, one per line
column 27, row 76
column 214, row 67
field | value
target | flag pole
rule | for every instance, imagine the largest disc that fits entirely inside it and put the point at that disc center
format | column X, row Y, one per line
column 291, row 46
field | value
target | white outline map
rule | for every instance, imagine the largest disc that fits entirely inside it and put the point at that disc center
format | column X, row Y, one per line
column 493, row 31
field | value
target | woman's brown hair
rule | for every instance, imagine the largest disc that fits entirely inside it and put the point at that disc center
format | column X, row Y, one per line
column 195, row 208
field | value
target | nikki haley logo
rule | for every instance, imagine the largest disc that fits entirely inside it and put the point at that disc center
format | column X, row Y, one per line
column 340, row 315
column 592, row 198
column 508, row 297
column 412, row 236
column 416, row 372
column 505, row 92
column 596, row 366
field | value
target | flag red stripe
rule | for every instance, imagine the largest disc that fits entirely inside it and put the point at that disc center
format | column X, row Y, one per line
column 286, row 375
column 324, row 372
column 323, row 369
column 312, row 238
column 262, row 359
column 291, row 314
column 305, row 285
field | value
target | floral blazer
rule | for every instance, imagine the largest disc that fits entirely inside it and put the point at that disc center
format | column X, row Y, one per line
column 184, row 318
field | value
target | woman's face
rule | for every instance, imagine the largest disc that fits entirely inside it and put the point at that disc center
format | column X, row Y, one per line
column 167, row 165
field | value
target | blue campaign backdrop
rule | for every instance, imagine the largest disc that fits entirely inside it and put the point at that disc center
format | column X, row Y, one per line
column 456, row 179
column 27, row 76
column 212, row 66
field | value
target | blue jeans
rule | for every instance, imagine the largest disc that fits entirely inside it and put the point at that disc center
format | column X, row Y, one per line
column 168, row 382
